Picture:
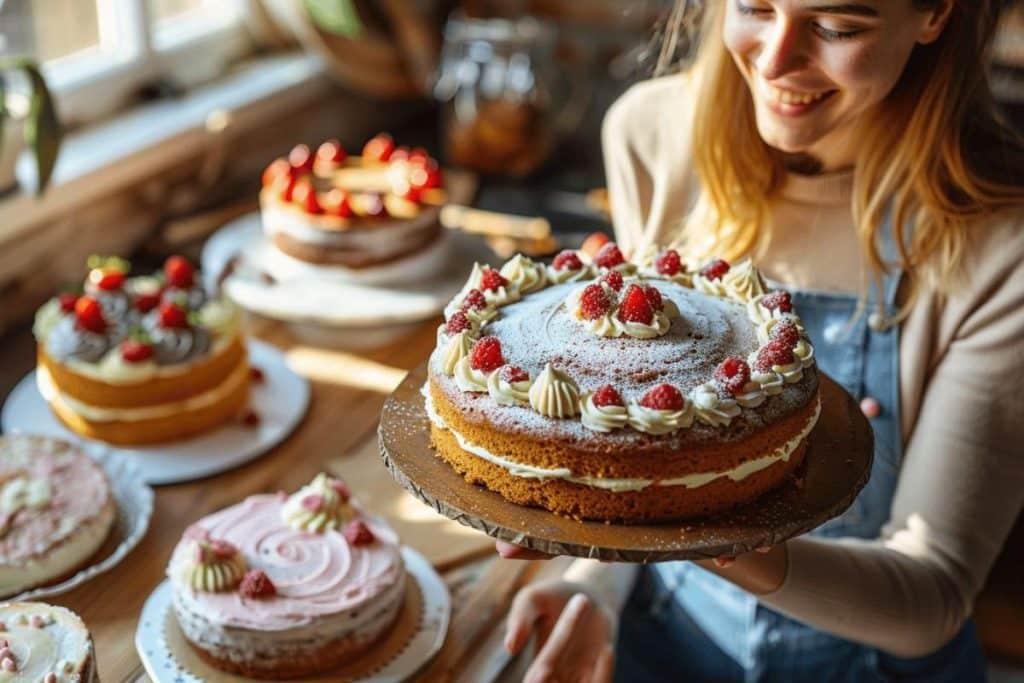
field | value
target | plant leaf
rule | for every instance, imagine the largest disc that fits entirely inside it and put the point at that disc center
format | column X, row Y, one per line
column 335, row 16
column 43, row 131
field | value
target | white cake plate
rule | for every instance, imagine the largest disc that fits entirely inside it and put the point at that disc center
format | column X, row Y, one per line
column 163, row 666
column 304, row 294
column 280, row 401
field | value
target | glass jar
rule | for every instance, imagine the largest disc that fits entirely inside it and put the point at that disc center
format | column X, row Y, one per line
column 496, row 82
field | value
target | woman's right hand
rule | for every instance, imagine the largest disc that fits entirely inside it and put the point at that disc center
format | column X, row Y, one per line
column 575, row 633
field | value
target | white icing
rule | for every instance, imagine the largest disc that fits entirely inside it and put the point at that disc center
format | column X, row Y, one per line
column 708, row 286
column 804, row 352
column 555, row 394
column 469, row 379
column 743, row 282
column 516, row 393
column 654, row 421
column 751, row 396
column 557, row 277
column 457, row 348
column 524, row 274
column 711, row 407
column 602, row 418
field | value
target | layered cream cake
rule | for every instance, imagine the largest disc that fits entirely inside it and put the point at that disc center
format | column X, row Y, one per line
column 56, row 510
column 44, row 644
column 284, row 586
column 134, row 360
column 353, row 218
column 603, row 389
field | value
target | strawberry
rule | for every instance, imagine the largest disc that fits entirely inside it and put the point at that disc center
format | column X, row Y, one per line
column 567, row 259
column 608, row 396
column 172, row 316
column 635, row 308
column 89, row 315
column 491, row 280
column 379, row 148
column 732, row 374
column 609, row 256
column 67, row 302
column 457, row 323
column 338, row 203
column 178, row 272
column 593, row 243
column 278, row 168
column 357, row 533
column 485, row 355
column 305, row 196
column 714, row 270
column 654, row 298
column 773, row 353
column 668, row 263
column 331, row 151
column 785, row 332
column 511, row 374
column 300, row 159
column 144, row 303
column 340, row 488
column 663, row 397
column 594, row 302
column 474, row 301
column 779, row 300
column 135, row 351
column 613, row 279
column 411, row 194
column 108, row 280
column 256, row 584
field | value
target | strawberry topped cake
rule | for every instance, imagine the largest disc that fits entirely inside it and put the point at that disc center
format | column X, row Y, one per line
column 133, row 360
column 357, row 218
column 42, row 643
column 283, row 586
column 605, row 389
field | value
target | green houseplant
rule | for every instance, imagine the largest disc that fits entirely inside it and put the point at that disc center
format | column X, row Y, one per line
column 40, row 125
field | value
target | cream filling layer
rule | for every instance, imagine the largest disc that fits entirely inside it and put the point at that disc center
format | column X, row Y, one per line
column 101, row 414
column 691, row 481
column 59, row 560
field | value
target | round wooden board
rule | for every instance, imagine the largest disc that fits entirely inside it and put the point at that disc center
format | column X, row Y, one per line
column 837, row 465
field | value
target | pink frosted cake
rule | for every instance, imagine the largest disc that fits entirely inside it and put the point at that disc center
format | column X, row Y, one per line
column 55, row 511
column 284, row 586
column 44, row 644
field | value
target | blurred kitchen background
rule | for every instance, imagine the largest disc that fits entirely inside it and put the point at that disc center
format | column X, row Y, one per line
column 161, row 115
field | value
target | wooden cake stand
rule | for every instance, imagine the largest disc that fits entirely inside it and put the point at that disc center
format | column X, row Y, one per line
column 836, row 467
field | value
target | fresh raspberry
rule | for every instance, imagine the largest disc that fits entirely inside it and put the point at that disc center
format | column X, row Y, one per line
column 732, row 374
column 89, row 315
column 778, row 300
column 773, row 353
column 457, row 323
column 714, row 270
column 305, row 196
column 144, row 303
column 109, row 281
column 135, row 351
column 608, row 396
column 511, row 374
column 313, row 502
column 486, row 355
column 663, row 397
column 331, row 151
column 613, row 279
column 338, row 203
column 635, row 308
column 567, row 259
column 491, row 280
column 256, row 584
column 786, row 332
column 178, row 272
column 300, row 159
column 67, row 302
column 654, row 297
column 668, row 263
column 357, row 533
column 379, row 148
column 609, row 256
column 412, row 194
column 256, row 375
column 594, row 302
column 474, row 301
column 426, row 175
column 373, row 206
column 593, row 243
column 341, row 488
column 173, row 316
column 278, row 168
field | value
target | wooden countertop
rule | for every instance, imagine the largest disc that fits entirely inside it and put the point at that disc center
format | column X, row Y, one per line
column 338, row 435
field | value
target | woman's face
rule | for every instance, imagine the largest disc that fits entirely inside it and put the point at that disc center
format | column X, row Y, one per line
column 815, row 67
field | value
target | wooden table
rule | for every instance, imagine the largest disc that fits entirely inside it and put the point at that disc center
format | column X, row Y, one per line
column 338, row 435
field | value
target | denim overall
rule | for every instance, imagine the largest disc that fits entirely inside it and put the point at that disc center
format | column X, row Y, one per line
column 683, row 623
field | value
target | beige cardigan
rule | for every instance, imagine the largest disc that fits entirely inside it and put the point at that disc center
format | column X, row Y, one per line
column 961, row 381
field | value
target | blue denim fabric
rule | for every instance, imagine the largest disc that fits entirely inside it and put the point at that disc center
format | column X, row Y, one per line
column 716, row 631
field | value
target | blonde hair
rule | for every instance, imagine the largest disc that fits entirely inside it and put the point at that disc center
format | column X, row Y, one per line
column 937, row 156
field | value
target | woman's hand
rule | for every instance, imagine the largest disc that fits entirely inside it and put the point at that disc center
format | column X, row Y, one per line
column 574, row 629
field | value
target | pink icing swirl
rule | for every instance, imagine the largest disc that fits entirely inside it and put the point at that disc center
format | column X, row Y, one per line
column 315, row 574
